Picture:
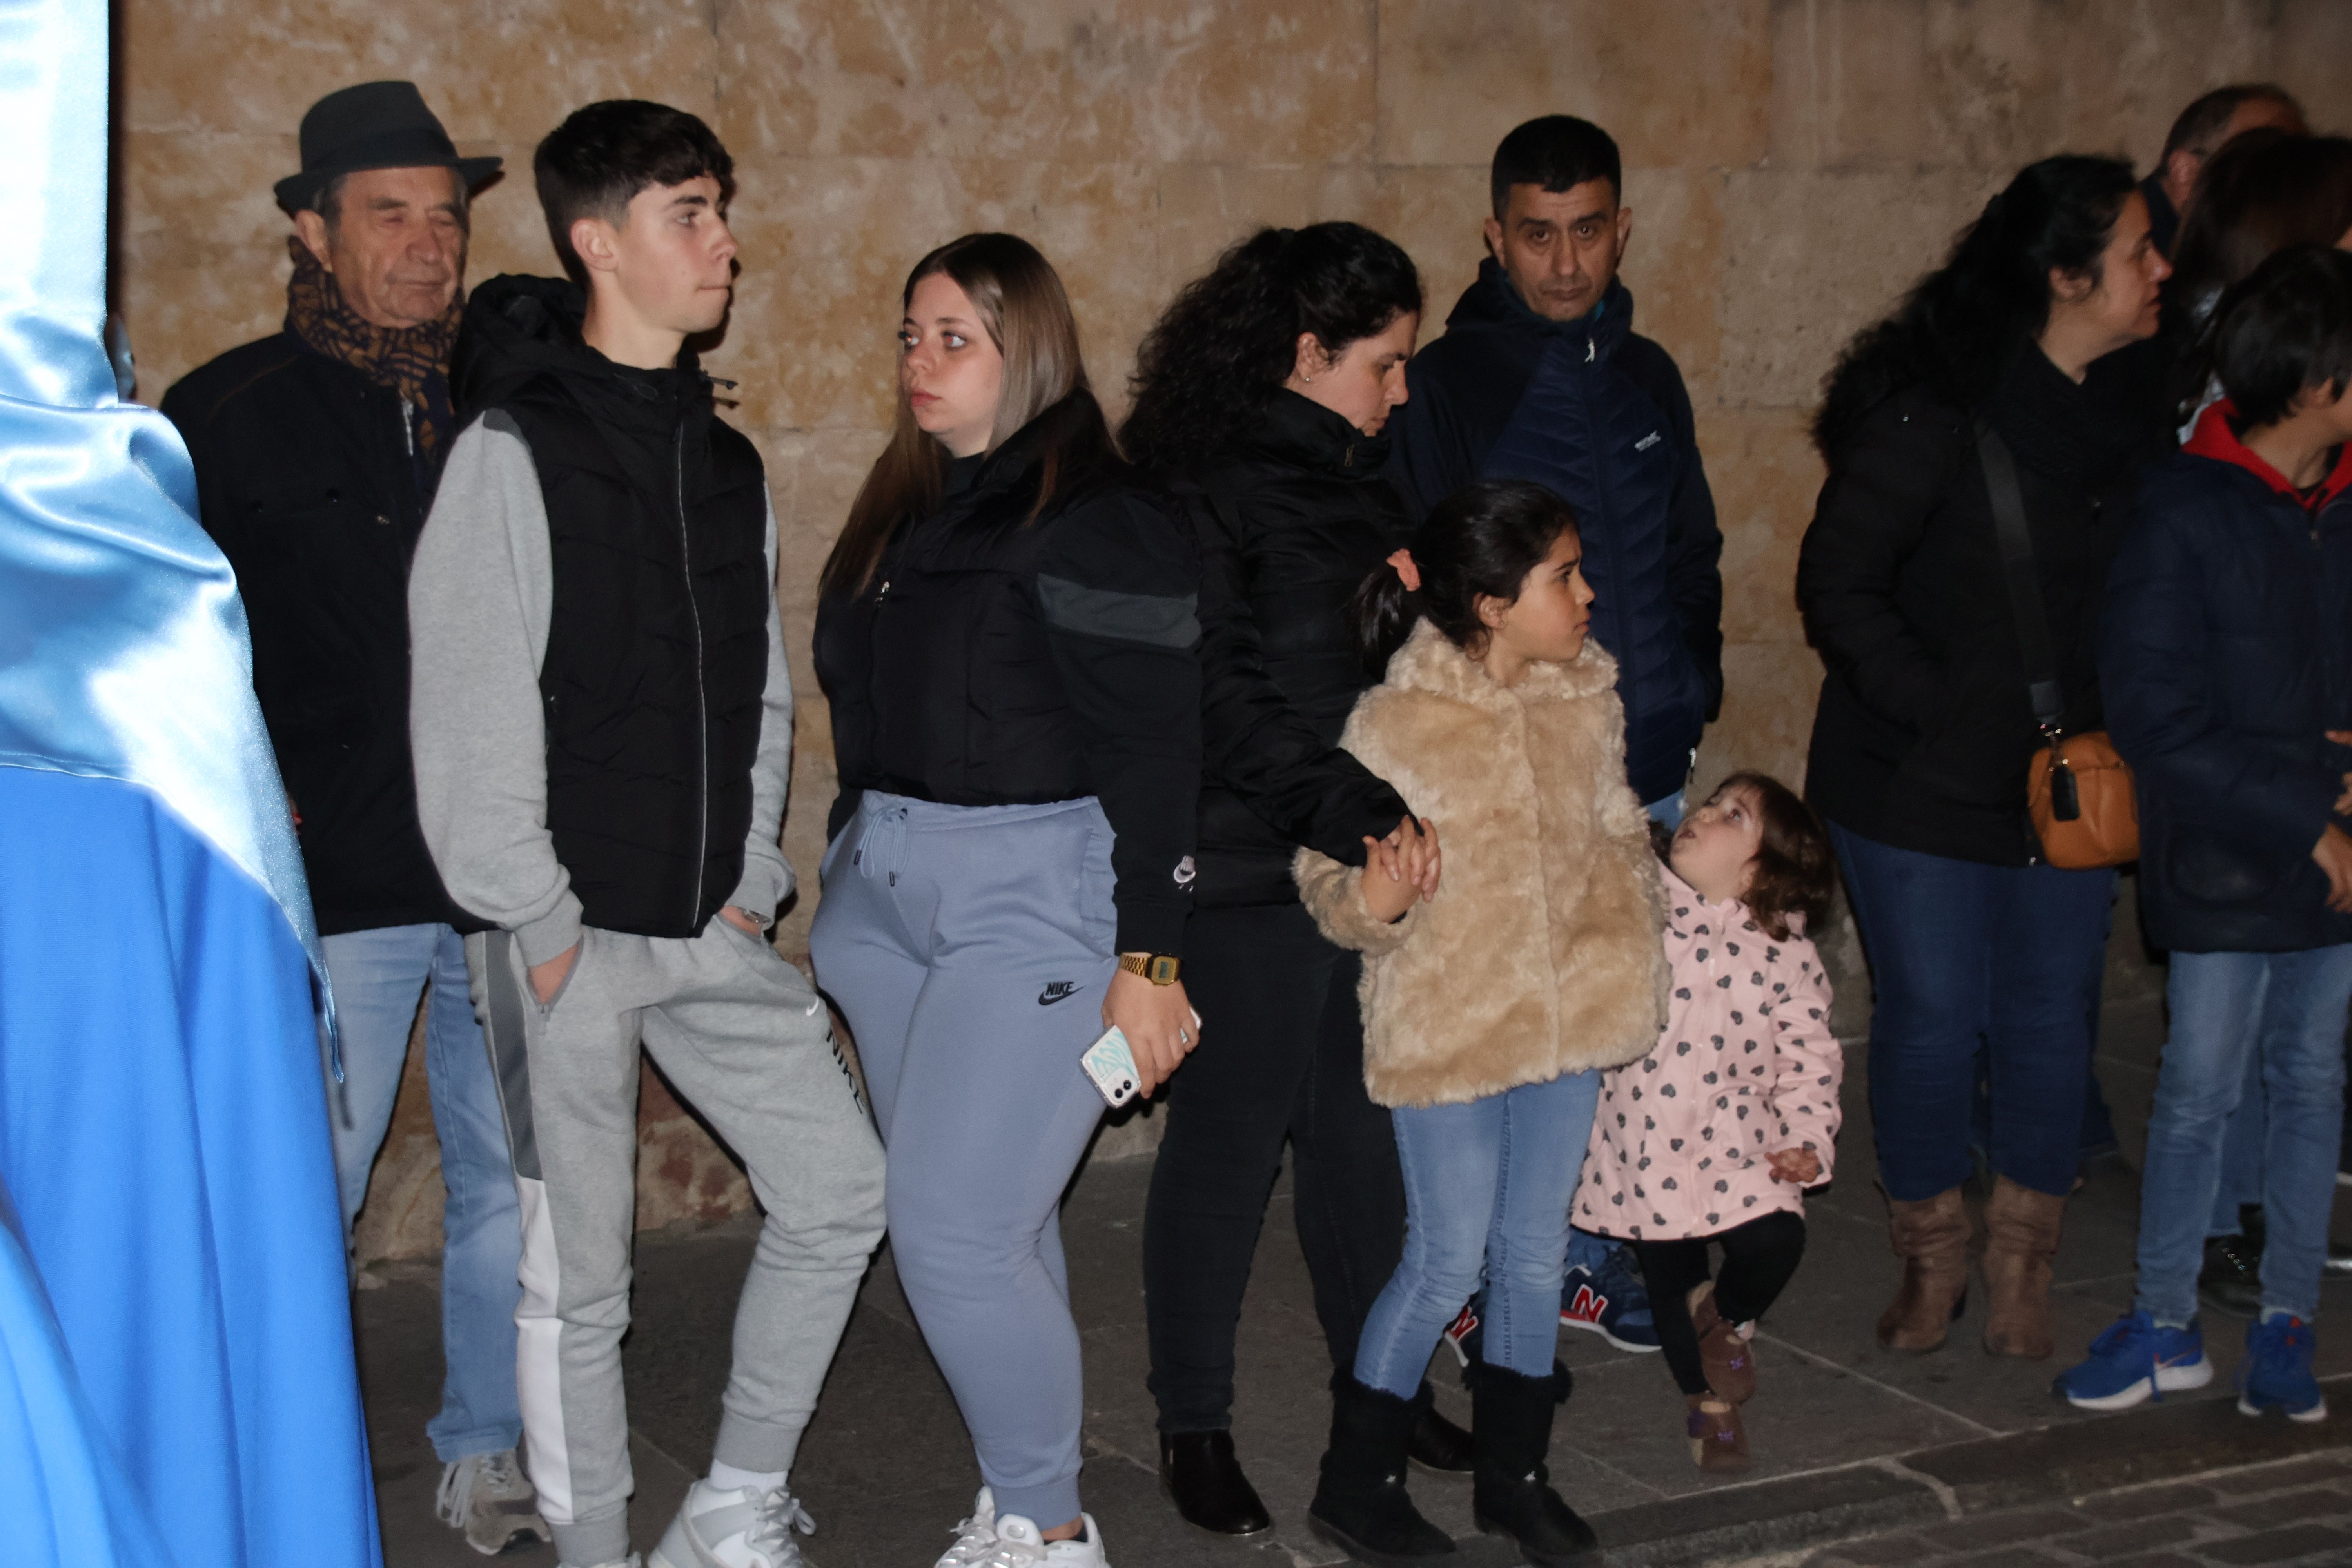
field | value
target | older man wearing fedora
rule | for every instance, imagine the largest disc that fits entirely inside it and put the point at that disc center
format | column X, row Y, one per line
column 317, row 450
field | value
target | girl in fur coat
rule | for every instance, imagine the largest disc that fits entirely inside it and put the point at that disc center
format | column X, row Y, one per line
column 1492, row 1000
column 1714, row 1136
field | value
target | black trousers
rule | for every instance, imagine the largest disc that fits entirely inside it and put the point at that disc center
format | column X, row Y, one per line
column 1281, row 1056
column 1758, row 1260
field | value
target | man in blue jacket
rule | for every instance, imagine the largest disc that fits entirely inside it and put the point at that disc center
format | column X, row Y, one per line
column 2227, row 677
column 1541, row 376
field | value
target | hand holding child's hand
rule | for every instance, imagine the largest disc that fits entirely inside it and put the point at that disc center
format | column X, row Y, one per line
column 1400, row 868
column 2343, row 802
column 1799, row 1167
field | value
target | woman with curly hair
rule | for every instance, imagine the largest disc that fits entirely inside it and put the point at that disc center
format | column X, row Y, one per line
column 2020, row 346
column 1260, row 398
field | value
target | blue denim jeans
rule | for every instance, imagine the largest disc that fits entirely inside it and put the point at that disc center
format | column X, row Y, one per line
column 1486, row 1186
column 1966, row 956
column 2242, row 1155
column 2289, row 1009
column 378, row 976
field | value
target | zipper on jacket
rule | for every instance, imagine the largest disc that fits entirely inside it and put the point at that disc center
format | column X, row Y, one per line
column 701, row 697
column 408, row 425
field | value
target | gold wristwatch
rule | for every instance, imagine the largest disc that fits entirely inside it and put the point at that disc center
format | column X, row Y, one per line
column 1156, row 967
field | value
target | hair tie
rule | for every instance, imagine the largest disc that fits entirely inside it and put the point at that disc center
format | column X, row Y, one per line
column 1405, row 569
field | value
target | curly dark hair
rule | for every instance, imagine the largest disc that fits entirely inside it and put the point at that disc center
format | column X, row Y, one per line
column 1959, row 328
column 1221, row 351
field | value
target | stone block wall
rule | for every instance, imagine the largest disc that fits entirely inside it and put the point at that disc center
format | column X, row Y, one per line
column 1792, row 165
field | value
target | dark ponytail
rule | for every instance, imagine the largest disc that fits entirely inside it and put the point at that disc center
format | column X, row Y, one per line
column 1480, row 541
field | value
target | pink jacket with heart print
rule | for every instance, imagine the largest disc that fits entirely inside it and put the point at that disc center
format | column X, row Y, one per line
column 1746, row 1066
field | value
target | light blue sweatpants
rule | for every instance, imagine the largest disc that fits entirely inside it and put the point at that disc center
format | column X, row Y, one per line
column 969, row 948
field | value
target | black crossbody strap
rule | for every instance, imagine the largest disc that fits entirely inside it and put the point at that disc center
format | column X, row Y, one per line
column 2024, row 583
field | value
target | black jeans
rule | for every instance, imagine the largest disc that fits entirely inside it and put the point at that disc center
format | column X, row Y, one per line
column 1758, row 1260
column 1281, row 1056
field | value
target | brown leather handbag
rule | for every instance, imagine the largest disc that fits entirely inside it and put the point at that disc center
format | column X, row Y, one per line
column 2077, row 788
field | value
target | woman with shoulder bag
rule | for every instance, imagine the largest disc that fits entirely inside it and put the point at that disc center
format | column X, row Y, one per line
column 1006, row 633
column 1926, row 727
column 1260, row 398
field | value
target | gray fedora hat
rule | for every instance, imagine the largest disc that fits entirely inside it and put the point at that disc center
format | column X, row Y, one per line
column 375, row 125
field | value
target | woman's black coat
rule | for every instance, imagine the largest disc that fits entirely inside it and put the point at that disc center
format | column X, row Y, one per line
column 1289, row 524
column 1924, row 730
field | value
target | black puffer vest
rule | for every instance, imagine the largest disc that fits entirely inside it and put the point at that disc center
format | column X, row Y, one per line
column 656, row 649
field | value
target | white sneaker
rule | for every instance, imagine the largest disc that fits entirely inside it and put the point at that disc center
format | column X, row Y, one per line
column 1019, row 1544
column 975, row 1536
column 733, row 1528
column 486, row 1495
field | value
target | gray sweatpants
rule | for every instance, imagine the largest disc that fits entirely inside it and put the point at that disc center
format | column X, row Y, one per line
column 969, row 948
column 742, row 1035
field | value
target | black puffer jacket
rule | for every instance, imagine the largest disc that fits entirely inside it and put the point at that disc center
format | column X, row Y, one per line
column 1924, row 729
column 1001, row 655
column 1290, row 525
column 311, row 479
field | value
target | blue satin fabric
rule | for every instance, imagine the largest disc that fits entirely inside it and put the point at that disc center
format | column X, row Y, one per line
column 178, row 1385
column 76, row 1506
column 123, row 649
column 163, row 1134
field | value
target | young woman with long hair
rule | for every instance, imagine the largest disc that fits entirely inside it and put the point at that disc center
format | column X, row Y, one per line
column 1925, row 728
column 1261, row 396
column 1006, row 633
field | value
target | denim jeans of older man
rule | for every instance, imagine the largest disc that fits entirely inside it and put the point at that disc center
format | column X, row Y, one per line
column 378, row 976
column 2290, row 1008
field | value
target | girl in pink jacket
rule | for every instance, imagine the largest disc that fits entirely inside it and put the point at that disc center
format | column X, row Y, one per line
column 1714, row 1136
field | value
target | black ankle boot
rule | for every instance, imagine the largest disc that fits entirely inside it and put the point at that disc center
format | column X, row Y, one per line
column 1511, row 1427
column 1199, row 1474
column 1438, row 1444
column 1361, row 1505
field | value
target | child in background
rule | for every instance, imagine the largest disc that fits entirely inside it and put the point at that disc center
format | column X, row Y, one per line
column 1714, row 1136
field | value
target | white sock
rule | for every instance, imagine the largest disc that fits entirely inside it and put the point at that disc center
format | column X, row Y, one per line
column 728, row 1479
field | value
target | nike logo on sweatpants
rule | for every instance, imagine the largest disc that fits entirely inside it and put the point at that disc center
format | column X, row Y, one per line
column 1059, row 991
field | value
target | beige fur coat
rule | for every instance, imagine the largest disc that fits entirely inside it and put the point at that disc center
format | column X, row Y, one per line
column 1541, row 953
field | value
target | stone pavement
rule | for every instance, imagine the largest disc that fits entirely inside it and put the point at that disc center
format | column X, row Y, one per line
column 2295, row 1511
column 1850, row 1441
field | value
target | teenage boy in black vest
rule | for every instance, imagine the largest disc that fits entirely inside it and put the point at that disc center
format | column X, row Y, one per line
column 603, row 729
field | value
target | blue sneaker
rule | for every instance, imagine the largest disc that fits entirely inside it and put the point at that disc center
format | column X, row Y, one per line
column 2134, row 1360
column 2278, row 1370
column 1611, row 1302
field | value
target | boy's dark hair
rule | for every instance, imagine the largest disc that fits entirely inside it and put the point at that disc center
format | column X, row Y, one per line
column 1483, row 539
column 2286, row 329
column 2199, row 126
column 596, row 162
column 1795, row 870
column 1559, row 153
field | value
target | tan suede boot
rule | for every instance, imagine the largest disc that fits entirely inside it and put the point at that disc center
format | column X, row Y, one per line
column 1931, row 1236
column 2021, row 1239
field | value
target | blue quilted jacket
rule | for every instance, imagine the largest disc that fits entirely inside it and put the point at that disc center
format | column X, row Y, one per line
column 1596, row 413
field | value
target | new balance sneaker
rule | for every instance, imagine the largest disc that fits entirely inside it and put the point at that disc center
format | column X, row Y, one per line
column 1611, row 1302
column 2277, row 1371
column 1461, row 1335
column 487, row 1498
column 2135, row 1359
column 720, row 1527
column 1019, row 1544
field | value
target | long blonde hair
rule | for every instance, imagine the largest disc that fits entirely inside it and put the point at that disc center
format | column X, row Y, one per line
column 1027, row 313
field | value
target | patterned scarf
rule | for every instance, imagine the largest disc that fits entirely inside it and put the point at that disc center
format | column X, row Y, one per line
column 412, row 361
